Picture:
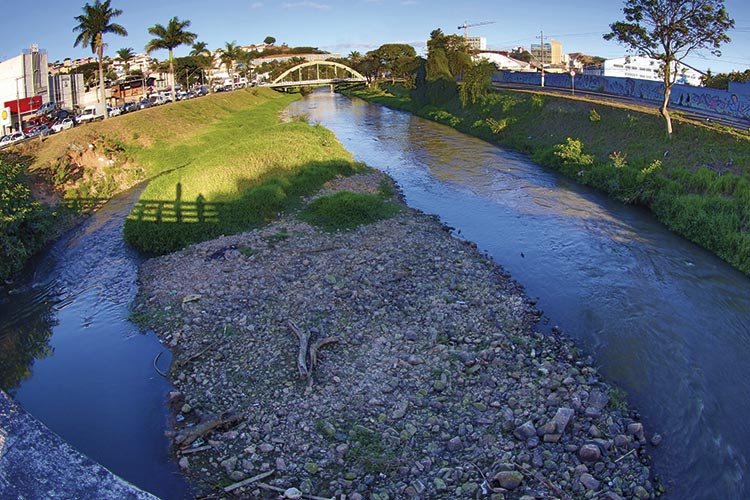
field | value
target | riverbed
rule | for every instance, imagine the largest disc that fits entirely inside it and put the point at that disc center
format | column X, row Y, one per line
column 668, row 321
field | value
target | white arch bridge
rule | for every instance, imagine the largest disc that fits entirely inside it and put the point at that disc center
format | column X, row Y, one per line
column 309, row 74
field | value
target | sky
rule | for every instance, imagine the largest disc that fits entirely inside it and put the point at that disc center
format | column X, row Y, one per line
column 343, row 26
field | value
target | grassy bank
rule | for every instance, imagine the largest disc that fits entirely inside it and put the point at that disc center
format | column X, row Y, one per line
column 217, row 165
column 697, row 183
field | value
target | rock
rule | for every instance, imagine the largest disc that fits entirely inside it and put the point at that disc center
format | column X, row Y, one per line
column 237, row 475
column 312, row 467
column 588, row 481
column 439, row 484
column 292, row 494
column 598, row 399
column 636, row 429
column 641, row 493
column 525, row 431
column 265, row 448
column 455, row 444
column 508, row 479
column 589, row 453
column 562, row 418
column 184, row 463
column 656, row 440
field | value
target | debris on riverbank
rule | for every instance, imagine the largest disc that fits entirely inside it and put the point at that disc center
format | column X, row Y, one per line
column 392, row 361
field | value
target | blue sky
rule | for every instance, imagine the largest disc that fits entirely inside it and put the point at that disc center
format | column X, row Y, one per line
column 341, row 26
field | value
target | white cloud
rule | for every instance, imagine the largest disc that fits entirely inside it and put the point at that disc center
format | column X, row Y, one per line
column 256, row 5
column 307, row 4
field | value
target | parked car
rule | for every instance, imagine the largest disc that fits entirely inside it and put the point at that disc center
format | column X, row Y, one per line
column 40, row 131
column 145, row 103
column 63, row 124
column 116, row 111
column 130, row 106
column 47, row 107
column 91, row 113
column 11, row 138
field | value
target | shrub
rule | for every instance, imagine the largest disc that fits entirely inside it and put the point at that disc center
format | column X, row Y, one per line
column 24, row 223
column 571, row 153
column 594, row 116
column 347, row 210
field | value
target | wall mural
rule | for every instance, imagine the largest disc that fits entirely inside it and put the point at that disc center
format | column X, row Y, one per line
column 735, row 104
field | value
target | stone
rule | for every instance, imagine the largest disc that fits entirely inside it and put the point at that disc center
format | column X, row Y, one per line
column 292, row 494
column 589, row 453
column 641, row 493
column 524, row 431
column 598, row 399
column 312, row 467
column 184, row 463
column 439, row 484
column 656, row 440
column 562, row 419
column 265, row 448
column 455, row 444
column 237, row 475
column 508, row 479
column 588, row 481
column 636, row 429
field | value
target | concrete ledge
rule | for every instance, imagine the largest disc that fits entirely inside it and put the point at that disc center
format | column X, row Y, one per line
column 36, row 463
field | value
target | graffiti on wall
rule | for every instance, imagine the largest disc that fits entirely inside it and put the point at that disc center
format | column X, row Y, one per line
column 735, row 104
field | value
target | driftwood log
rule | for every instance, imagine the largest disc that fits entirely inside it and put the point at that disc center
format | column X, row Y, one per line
column 188, row 435
column 307, row 354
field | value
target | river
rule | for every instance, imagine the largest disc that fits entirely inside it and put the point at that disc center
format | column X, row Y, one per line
column 666, row 320
column 73, row 360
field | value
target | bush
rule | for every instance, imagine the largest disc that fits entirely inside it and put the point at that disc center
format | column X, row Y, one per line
column 571, row 153
column 24, row 224
column 347, row 210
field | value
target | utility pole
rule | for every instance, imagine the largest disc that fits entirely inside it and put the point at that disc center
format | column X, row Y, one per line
column 541, row 53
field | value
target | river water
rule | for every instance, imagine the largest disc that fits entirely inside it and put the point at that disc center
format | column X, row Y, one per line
column 666, row 320
column 73, row 360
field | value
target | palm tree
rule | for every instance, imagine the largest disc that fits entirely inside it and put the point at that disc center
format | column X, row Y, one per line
column 229, row 55
column 92, row 25
column 206, row 58
column 168, row 38
column 125, row 55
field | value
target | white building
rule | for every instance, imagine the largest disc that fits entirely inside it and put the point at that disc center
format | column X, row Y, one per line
column 644, row 68
column 503, row 62
column 24, row 81
column 476, row 42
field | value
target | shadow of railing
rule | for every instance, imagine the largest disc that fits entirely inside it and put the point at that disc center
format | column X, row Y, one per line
column 176, row 211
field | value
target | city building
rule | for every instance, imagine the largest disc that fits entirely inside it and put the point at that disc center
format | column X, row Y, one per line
column 644, row 68
column 503, row 62
column 476, row 42
column 67, row 90
column 549, row 54
column 24, row 83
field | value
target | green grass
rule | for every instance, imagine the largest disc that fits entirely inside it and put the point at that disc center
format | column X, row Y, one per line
column 346, row 210
column 697, row 183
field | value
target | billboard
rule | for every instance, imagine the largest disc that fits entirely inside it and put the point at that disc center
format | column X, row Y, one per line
column 26, row 104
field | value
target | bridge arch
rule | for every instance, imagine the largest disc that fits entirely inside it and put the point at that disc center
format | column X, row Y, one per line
column 356, row 76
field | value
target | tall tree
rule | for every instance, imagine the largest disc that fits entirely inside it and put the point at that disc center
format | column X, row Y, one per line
column 169, row 37
column 269, row 40
column 125, row 55
column 669, row 31
column 93, row 24
column 201, row 50
column 230, row 54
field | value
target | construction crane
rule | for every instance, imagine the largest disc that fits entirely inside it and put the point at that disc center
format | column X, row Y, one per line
column 465, row 26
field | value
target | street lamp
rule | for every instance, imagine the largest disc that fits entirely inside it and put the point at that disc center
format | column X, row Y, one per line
column 18, row 100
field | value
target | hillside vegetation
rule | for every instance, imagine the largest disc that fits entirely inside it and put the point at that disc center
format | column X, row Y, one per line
column 697, row 183
column 216, row 165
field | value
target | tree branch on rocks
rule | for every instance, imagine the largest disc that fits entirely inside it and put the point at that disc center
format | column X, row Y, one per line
column 247, row 481
column 188, row 435
column 307, row 354
column 282, row 490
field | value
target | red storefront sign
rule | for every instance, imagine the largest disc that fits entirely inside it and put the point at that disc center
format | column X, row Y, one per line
column 26, row 104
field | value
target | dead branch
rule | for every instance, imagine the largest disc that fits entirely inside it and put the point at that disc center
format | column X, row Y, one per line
column 304, row 339
column 190, row 451
column 625, row 455
column 282, row 490
column 539, row 477
column 186, row 436
column 200, row 353
column 247, row 481
column 316, row 346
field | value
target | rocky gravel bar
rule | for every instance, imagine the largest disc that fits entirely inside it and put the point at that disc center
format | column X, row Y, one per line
column 393, row 361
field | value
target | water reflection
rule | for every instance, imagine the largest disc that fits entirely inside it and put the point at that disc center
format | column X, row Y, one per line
column 666, row 320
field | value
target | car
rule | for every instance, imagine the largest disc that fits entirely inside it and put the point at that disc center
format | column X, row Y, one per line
column 40, row 131
column 145, row 103
column 47, row 107
column 12, row 138
column 116, row 111
column 63, row 124
column 129, row 107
